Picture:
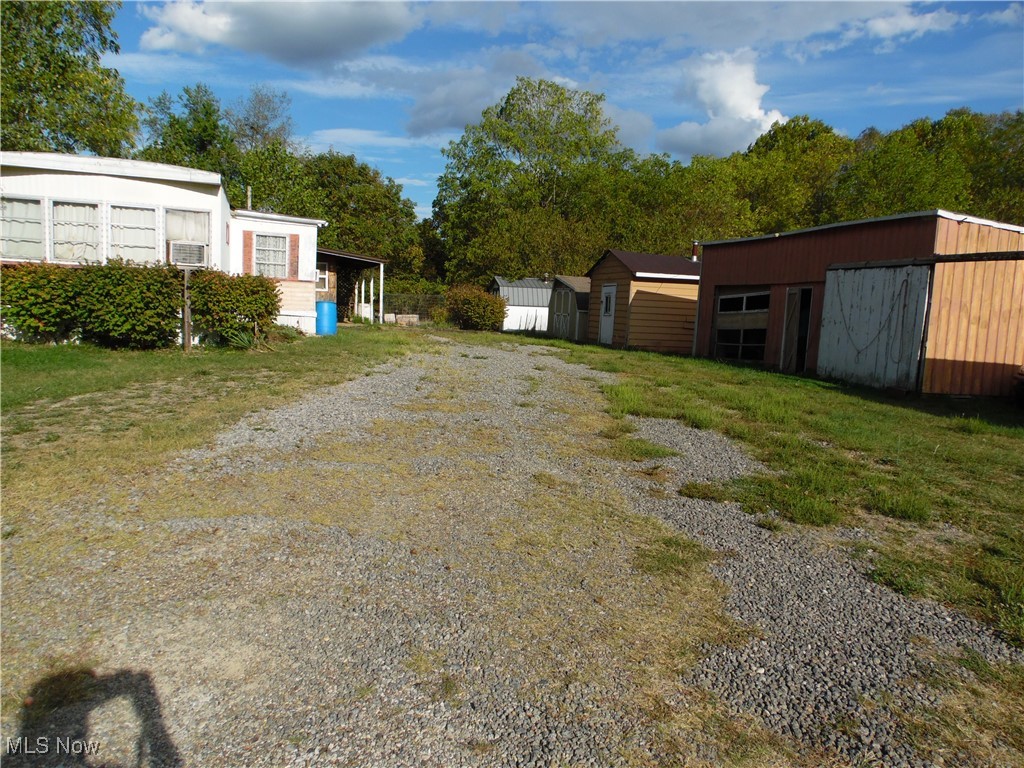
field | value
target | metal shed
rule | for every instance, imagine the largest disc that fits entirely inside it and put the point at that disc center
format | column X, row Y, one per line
column 570, row 308
column 527, row 302
column 762, row 298
column 949, row 325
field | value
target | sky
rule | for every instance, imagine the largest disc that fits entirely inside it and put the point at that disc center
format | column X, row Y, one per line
column 395, row 82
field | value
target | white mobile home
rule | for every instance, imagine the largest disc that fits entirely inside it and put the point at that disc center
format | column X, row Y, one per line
column 66, row 209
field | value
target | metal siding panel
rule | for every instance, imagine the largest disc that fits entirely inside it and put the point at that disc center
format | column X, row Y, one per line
column 872, row 324
column 980, row 316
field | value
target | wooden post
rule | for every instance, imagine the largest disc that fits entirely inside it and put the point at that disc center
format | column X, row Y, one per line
column 186, row 317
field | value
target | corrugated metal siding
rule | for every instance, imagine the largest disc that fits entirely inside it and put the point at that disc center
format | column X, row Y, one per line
column 976, row 328
column 802, row 259
column 528, row 292
column 872, row 325
column 662, row 316
column 610, row 270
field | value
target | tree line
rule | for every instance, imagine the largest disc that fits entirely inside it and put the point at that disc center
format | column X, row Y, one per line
column 540, row 184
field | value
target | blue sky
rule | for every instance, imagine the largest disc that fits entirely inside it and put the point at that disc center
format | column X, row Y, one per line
column 394, row 82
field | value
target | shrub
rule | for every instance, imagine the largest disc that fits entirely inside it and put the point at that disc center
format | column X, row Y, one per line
column 126, row 306
column 473, row 309
column 38, row 302
column 226, row 309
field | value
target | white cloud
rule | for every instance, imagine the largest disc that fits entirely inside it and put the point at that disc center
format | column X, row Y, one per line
column 635, row 128
column 296, row 33
column 407, row 182
column 351, row 139
column 1012, row 15
column 905, row 24
column 725, row 87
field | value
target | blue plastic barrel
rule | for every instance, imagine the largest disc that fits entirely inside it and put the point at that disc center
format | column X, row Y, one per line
column 326, row 318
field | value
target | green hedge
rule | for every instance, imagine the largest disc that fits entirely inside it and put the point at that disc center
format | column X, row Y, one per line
column 472, row 308
column 124, row 306
column 226, row 309
column 38, row 301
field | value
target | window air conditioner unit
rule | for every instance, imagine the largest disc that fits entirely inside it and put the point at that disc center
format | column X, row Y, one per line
column 186, row 254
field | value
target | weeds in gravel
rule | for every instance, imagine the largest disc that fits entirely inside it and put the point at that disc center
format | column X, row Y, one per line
column 855, row 456
column 638, row 449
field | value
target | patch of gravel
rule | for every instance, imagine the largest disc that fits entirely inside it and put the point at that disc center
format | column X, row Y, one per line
column 834, row 646
column 253, row 640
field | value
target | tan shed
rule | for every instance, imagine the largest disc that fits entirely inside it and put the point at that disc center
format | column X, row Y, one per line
column 644, row 301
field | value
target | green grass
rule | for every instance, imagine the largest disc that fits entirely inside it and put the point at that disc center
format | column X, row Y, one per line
column 913, row 469
column 638, row 449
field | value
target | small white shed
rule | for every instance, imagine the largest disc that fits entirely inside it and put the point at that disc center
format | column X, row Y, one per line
column 526, row 301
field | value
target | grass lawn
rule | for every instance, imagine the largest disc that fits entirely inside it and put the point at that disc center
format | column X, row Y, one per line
column 940, row 480
column 937, row 480
column 85, row 414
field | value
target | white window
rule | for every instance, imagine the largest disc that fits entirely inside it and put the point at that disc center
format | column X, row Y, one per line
column 322, row 278
column 188, row 226
column 21, row 229
column 272, row 255
column 76, row 232
column 133, row 235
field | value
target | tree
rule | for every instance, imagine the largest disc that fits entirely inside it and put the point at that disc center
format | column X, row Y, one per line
column 788, row 174
column 366, row 211
column 922, row 166
column 56, row 97
column 192, row 130
column 262, row 119
column 523, row 178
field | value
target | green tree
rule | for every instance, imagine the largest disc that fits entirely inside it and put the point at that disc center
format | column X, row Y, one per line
column 366, row 211
column 56, row 96
column 921, row 166
column 789, row 173
column 192, row 130
column 522, row 189
column 279, row 181
column 262, row 119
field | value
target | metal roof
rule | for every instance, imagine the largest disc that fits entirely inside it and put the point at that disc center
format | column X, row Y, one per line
column 937, row 213
column 350, row 256
column 580, row 286
column 528, row 292
column 654, row 265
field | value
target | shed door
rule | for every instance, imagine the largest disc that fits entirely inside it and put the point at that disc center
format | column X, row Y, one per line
column 607, row 326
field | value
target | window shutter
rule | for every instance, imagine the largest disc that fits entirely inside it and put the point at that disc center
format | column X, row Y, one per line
column 248, row 267
column 293, row 257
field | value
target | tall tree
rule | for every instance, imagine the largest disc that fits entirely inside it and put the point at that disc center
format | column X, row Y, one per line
column 543, row 147
column 788, row 174
column 192, row 130
column 56, row 96
column 262, row 118
column 366, row 211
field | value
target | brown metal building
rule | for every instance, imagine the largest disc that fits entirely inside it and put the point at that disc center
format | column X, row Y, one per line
column 762, row 299
column 644, row 301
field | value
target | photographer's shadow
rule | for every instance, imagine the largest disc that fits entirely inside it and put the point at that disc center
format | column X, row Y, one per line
column 56, row 715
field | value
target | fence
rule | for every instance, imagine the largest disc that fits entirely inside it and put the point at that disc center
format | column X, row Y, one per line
column 423, row 305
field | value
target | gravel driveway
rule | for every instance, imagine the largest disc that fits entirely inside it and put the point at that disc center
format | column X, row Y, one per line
column 433, row 565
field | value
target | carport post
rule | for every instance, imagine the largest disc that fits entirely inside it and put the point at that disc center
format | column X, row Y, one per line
column 380, row 313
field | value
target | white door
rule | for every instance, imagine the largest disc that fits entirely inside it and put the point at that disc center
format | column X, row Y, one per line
column 607, row 326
